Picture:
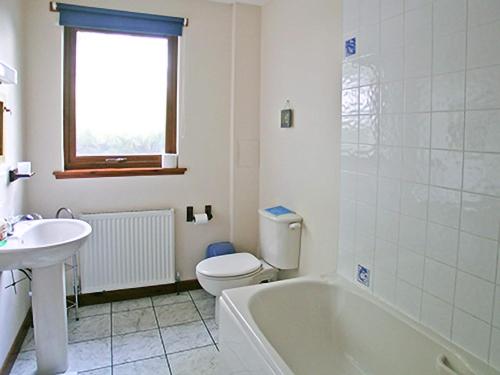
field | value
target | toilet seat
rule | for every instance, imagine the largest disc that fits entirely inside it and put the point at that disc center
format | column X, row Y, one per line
column 229, row 266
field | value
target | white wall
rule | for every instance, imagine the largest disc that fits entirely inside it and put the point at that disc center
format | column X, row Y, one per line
column 245, row 120
column 13, row 307
column 205, row 128
column 421, row 162
column 299, row 167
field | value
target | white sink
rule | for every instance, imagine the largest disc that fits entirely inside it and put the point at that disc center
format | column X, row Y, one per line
column 41, row 243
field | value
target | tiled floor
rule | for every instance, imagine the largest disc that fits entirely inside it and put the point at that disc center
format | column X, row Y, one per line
column 164, row 335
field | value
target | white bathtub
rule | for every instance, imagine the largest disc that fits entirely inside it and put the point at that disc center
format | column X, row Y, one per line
column 325, row 325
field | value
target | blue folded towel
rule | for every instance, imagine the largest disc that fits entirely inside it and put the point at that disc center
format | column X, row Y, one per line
column 219, row 248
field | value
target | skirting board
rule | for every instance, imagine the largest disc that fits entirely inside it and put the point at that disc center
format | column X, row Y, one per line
column 17, row 344
column 93, row 299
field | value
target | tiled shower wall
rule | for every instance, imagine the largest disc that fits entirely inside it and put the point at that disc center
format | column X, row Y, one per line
column 421, row 162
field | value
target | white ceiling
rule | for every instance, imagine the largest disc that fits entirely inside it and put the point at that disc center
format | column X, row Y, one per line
column 252, row 2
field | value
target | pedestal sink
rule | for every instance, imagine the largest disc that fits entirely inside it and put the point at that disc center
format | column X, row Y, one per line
column 43, row 245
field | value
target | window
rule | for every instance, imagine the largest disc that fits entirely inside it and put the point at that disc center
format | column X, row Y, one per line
column 120, row 99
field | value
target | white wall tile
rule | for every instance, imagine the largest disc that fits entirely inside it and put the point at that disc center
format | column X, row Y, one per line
column 495, row 348
column 347, row 224
column 439, row 280
column 482, row 131
column 418, row 25
column 349, row 157
column 408, row 298
column 437, row 315
column 483, row 88
column 348, row 182
column 390, row 159
column 365, row 219
column 350, row 101
column 447, row 130
column 415, row 167
column 389, row 194
column 391, row 8
column 364, row 250
column 392, row 33
column 481, row 215
column 449, row 53
column 446, row 168
column 349, row 129
column 483, row 48
column 478, row 256
column 482, row 173
column 387, row 225
column 391, row 97
column 384, row 286
column 444, row 206
column 369, row 99
column 366, row 188
column 368, row 129
column 471, row 333
column 449, row 16
column 442, row 243
column 392, row 65
column 345, row 262
column 483, row 11
column 391, row 129
column 417, row 130
column 411, row 267
column 369, row 40
column 448, row 92
column 369, row 69
column 367, row 159
column 475, row 296
column 412, row 234
column 414, row 200
column 350, row 15
column 386, row 255
column 418, row 95
column 418, row 60
column 369, row 12
column 350, row 74
column 415, row 4
column 496, row 314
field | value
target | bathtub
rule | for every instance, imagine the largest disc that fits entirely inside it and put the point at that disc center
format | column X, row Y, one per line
column 326, row 325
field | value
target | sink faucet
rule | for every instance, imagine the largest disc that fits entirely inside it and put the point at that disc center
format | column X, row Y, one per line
column 68, row 210
column 12, row 221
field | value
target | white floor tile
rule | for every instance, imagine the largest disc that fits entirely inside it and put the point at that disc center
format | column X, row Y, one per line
column 185, row 336
column 136, row 346
column 133, row 321
column 201, row 361
column 85, row 311
column 199, row 294
column 132, row 304
column 177, row 313
column 89, row 355
column 206, row 307
column 168, row 299
column 152, row 366
column 93, row 327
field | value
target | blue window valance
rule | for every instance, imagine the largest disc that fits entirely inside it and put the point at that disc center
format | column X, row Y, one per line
column 117, row 20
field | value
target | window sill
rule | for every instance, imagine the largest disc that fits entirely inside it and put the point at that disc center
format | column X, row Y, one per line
column 117, row 172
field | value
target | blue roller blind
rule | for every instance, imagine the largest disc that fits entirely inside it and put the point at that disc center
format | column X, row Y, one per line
column 120, row 21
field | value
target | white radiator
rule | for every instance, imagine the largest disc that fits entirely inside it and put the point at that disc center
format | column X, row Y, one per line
column 128, row 250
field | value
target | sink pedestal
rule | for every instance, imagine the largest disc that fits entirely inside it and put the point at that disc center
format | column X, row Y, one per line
column 50, row 319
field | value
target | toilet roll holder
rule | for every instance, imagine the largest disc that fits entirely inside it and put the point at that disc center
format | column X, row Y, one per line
column 190, row 213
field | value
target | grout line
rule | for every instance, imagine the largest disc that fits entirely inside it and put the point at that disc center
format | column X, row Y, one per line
column 204, row 323
column 161, row 337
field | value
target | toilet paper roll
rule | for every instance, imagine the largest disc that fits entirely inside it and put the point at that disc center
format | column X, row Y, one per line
column 200, row 218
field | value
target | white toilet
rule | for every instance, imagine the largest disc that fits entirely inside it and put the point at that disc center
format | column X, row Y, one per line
column 279, row 245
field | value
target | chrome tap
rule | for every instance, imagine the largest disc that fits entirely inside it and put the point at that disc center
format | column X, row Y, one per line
column 12, row 221
column 68, row 210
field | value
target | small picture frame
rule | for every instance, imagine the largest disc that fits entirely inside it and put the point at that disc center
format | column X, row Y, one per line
column 286, row 118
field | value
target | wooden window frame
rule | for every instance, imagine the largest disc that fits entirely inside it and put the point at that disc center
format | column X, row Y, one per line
column 74, row 162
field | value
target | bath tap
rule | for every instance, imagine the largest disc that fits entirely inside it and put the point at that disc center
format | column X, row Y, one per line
column 68, row 210
column 12, row 221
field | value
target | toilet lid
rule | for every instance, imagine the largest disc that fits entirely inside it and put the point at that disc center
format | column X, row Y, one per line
column 237, row 264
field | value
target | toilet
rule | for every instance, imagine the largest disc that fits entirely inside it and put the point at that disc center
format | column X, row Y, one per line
column 279, row 236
